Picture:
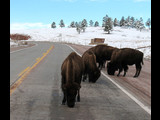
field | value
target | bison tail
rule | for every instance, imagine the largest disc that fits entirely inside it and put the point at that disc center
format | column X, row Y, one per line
column 142, row 62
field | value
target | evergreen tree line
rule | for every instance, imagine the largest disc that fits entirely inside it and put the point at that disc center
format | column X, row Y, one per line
column 129, row 22
column 74, row 24
column 80, row 26
column 108, row 23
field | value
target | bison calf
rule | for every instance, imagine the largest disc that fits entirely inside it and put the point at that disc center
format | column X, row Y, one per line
column 122, row 57
column 71, row 71
column 90, row 67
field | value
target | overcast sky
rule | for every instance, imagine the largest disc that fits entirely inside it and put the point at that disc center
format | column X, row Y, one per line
column 41, row 13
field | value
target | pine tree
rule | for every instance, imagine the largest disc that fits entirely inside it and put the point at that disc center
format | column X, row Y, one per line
column 139, row 24
column 128, row 22
column 76, row 24
column 148, row 22
column 122, row 21
column 72, row 25
column 132, row 22
column 78, row 27
column 62, row 24
column 115, row 23
column 53, row 25
column 104, row 20
column 108, row 25
column 84, row 23
column 91, row 23
column 96, row 24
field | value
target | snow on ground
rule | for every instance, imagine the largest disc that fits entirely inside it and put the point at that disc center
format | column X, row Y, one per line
column 119, row 37
column 12, row 43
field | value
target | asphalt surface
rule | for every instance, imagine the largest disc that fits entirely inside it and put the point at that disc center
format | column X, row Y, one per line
column 39, row 96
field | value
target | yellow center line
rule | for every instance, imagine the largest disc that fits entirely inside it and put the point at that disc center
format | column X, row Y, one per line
column 25, row 72
column 20, row 74
column 37, row 59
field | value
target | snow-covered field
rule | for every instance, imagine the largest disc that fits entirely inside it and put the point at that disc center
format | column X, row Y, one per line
column 119, row 37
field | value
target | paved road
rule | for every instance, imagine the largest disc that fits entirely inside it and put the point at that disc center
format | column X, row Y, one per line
column 21, row 59
column 39, row 96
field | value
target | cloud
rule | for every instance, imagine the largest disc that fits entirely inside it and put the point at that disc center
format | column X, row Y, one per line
column 142, row 0
column 17, row 26
column 78, row 0
column 98, row 0
column 63, row 0
column 70, row 0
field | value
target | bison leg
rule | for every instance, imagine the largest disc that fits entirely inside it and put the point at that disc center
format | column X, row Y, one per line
column 90, row 77
column 100, row 65
column 125, row 70
column 64, row 99
column 104, row 63
column 64, row 94
column 84, row 77
column 138, row 69
column 78, row 97
column 120, row 70
column 138, row 72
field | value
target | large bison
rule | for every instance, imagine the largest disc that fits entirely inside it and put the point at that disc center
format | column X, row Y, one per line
column 102, row 52
column 90, row 67
column 71, row 71
column 123, row 57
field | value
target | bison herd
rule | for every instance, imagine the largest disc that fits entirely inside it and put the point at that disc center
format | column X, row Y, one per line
column 76, row 68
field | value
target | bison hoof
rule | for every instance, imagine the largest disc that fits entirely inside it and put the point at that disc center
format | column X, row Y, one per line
column 63, row 103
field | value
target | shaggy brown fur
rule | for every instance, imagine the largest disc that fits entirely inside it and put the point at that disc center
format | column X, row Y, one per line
column 103, row 53
column 123, row 57
column 90, row 67
column 71, row 71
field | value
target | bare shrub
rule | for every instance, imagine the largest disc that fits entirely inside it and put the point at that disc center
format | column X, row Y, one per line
column 19, row 37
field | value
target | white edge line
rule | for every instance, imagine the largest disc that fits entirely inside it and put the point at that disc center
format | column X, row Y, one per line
column 126, row 92
column 23, row 48
column 130, row 95
column 74, row 50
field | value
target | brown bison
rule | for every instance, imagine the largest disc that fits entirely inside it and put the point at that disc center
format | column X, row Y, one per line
column 90, row 67
column 102, row 52
column 123, row 57
column 71, row 71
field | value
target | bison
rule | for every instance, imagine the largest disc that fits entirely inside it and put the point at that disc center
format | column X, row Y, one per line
column 123, row 57
column 90, row 67
column 102, row 52
column 71, row 72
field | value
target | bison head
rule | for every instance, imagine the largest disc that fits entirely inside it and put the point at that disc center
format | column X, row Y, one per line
column 96, row 74
column 71, row 93
column 111, row 68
